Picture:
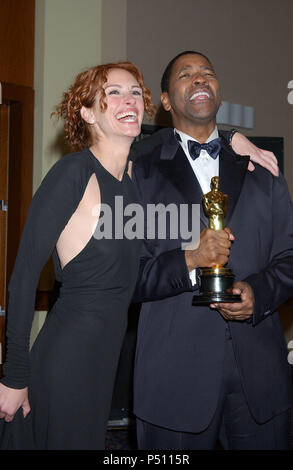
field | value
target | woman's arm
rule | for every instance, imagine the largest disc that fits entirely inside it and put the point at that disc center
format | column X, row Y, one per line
column 50, row 210
column 241, row 145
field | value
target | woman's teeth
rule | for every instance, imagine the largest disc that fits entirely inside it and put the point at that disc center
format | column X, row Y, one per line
column 129, row 116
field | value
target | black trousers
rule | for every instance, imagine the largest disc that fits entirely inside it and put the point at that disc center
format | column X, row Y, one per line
column 232, row 424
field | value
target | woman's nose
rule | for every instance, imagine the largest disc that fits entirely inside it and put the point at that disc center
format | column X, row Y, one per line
column 129, row 98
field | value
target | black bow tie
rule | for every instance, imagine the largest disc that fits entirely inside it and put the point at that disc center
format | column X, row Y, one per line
column 213, row 148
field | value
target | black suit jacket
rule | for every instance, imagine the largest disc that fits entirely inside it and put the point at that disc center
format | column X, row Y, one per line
column 180, row 348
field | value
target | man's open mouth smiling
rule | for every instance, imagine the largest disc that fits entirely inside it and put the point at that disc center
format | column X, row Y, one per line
column 200, row 95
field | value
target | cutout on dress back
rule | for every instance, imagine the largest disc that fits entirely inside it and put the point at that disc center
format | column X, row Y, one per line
column 81, row 226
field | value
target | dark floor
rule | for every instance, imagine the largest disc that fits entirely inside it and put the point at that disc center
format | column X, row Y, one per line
column 121, row 439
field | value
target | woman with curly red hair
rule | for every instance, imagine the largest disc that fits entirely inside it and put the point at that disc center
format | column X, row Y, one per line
column 58, row 396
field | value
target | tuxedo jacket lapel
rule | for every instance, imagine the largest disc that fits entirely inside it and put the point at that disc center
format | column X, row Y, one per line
column 232, row 171
column 175, row 166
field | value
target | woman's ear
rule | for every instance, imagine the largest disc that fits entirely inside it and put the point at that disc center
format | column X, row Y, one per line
column 87, row 115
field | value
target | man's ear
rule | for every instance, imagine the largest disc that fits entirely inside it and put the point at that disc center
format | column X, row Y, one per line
column 165, row 101
column 87, row 115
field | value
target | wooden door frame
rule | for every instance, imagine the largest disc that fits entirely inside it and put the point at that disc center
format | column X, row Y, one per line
column 23, row 148
column 4, row 137
column 20, row 183
column 21, row 101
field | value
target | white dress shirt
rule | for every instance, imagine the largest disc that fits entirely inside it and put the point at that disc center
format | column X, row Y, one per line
column 204, row 168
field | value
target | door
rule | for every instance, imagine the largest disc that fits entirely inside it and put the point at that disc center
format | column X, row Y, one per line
column 4, row 139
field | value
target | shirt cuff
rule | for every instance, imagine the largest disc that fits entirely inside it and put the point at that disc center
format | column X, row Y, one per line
column 192, row 276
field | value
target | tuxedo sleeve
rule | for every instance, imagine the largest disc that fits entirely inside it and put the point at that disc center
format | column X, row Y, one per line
column 274, row 284
column 161, row 273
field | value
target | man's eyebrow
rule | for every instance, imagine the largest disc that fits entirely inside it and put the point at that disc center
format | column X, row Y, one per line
column 186, row 67
column 202, row 67
column 207, row 67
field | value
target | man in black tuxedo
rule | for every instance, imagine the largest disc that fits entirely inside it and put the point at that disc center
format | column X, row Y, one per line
column 203, row 373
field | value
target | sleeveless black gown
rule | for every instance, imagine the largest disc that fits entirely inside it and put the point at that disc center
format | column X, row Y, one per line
column 71, row 368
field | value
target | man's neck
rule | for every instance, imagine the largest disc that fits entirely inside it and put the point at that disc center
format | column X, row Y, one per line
column 199, row 132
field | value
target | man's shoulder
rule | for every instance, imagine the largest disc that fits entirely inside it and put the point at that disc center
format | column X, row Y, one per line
column 265, row 179
column 150, row 145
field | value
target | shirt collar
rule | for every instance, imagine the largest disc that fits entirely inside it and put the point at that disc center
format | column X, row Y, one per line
column 185, row 138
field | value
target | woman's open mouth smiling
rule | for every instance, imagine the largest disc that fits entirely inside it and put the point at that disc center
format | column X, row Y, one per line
column 127, row 116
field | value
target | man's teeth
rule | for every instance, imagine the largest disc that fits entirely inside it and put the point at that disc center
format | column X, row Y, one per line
column 199, row 93
column 130, row 116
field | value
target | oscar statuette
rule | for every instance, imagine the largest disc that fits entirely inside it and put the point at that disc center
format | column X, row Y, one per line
column 215, row 281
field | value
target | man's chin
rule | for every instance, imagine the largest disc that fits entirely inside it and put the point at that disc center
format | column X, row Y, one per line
column 203, row 113
column 203, row 120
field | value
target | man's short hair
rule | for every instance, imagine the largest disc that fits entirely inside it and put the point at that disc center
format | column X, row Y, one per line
column 167, row 73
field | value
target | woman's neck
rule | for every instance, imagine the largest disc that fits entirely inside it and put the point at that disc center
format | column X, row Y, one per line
column 112, row 155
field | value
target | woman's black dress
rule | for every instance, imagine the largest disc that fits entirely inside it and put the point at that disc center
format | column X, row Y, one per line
column 71, row 368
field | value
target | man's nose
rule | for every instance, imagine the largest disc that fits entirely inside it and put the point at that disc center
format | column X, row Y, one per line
column 199, row 79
